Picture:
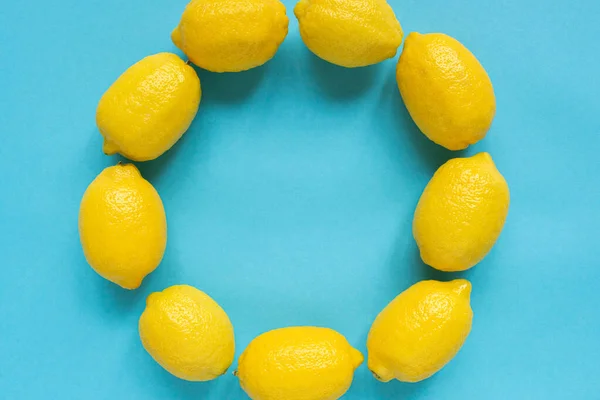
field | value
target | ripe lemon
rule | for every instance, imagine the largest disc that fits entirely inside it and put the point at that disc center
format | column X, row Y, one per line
column 231, row 35
column 420, row 331
column 447, row 92
column 461, row 213
column 122, row 226
column 187, row 333
column 349, row 33
column 298, row 363
column 149, row 107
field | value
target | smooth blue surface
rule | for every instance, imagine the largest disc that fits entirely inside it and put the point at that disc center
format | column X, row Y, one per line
column 290, row 201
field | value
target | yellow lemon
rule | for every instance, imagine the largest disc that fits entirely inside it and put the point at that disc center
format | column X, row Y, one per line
column 122, row 226
column 420, row 331
column 446, row 90
column 349, row 33
column 461, row 213
column 187, row 333
column 231, row 35
column 149, row 107
column 298, row 363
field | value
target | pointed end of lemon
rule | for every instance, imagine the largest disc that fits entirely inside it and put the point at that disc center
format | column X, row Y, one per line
column 410, row 40
column 300, row 9
column 151, row 299
column 131, row 168
column 109, row 148
column 176, row 38
column 117, row 173
column 462, row 287
column 130, row 285
column 411, row 36
column 356, row 357
column 483, row 157
column 380, row 372
column 400, row 34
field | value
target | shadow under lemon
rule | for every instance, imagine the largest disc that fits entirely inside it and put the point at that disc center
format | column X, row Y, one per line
column 104, row 299
column 230, row 87
column 340, row 82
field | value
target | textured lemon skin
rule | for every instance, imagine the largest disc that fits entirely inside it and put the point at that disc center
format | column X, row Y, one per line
column 349, row 33
column 461, row 213
column 149, row 107
column 231, row 35
column 122, row 226
column 187, row 333
column 298, row 363
column 446, row 90
column 420, row 331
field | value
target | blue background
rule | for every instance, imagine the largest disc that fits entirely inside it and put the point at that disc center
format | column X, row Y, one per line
column 290, row 201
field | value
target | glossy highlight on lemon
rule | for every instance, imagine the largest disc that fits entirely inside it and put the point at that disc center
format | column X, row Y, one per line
column 149, row 107
column 349, row 33
column 298, row 363
column 446, row 90
column 461, row 213
column 187, row 333
column 122, row 226
column 231, row 35
column 420, row 331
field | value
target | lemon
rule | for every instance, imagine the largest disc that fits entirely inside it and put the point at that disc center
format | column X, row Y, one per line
column 420, row 331
column 149, row 107
column 461, row 213
column 231, row 35
column 122, row 226
column 349, row 33
column 187, row 333
column 447, row 92
column 298, row 363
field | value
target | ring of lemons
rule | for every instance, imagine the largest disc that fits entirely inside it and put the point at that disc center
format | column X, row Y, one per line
column 459, row 217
